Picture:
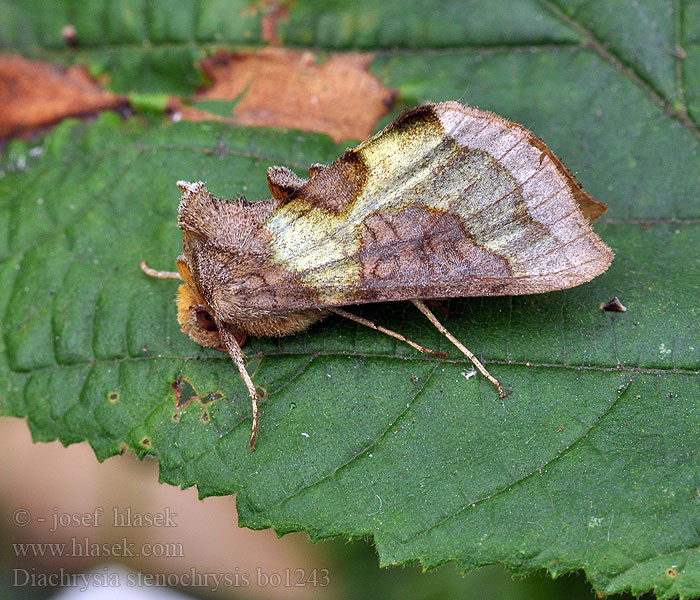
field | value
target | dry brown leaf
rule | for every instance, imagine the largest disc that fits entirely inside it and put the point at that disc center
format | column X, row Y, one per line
column 274, row 11
column 35, row 94
column 291, row 89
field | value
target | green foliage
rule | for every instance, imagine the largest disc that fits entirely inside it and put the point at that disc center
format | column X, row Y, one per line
column 591, row 463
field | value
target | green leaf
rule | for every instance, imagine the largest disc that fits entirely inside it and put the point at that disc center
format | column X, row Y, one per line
column 592, row 462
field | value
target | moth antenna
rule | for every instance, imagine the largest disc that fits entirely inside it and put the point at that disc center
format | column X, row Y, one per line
column 236, row 355
column 389, row 332
column 441, row 328
column 158, row 274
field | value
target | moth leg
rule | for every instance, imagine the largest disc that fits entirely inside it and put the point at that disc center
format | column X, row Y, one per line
column 236, row 354
column 389, row 332
column 441, row 328
column 158, row 274
column 440, row 307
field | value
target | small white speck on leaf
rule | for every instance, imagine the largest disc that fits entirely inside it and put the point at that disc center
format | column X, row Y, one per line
column 595, row 522
column 305, row 434
column 469, row 374
column 380, row 505
column 663, row 350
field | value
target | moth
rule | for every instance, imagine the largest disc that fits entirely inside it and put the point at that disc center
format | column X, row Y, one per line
column 446, row 201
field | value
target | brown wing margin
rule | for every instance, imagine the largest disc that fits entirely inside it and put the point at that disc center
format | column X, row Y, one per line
column 591, row 209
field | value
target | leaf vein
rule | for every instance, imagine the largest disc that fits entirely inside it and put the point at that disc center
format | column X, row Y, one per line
column 360, row 453
column 623, row 67
column 559, row 454
column 398, row 357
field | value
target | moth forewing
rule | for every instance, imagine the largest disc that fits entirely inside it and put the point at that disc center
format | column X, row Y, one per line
column 446, row 201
